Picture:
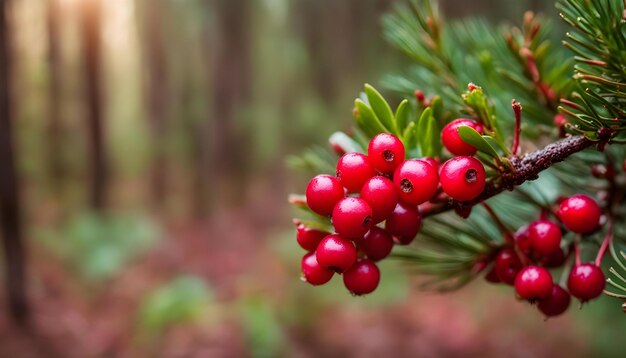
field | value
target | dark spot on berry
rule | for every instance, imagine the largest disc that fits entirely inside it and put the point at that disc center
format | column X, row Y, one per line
column 367, row 222
column 388, row 155
column 406, row 185
column 470, row 176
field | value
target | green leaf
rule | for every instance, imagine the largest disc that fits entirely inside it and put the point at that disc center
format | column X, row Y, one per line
column 367, row 120
column 470, row 136
column 381, row 108
column 403, row 114
column 428, row 133
column 410, row 136
column 344, row 142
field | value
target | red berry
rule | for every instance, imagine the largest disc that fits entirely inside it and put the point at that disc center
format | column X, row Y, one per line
column 404, row 223
column 433, row 162
column 362, row 278
column 312, row 272
column 322, row 193
column 380, row 194
column 507, row 265
column 556, row 303
column 522, row 239
column 385, row 152
column 453, row 142
column 586, row 281
column 352, row 217
column 556, row 259
column 353, row 169
column 336, row 253
column 416, row 181
column 533, row 283
column 376, row 244
column 309, row 238
column 462, row 178
column 544, row 236
column 580, row 213
column 492, row 276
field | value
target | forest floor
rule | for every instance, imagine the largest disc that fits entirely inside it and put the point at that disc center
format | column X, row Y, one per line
column 71, row 319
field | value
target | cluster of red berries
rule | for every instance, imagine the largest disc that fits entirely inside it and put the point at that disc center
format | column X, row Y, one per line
column 537, row 248
column 380, row 187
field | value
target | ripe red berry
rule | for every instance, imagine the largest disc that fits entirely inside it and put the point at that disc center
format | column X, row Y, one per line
column 336, row 253
column 352, row 217
column 362, row 278
column 580, row 213
column 533, row 283
column 556, row 303
column 404, row 223
column 312, row 272
column 322, row 193
column 433, row 162
column 586, row 281
column 309, row 238
column 545, row 237
column 376, row 244
column 353, row 169
column 453, row 142
column 556, row 259
column 492, row 276
column 416, row 181
column 462, row 178
column 385, row 152
column 380, row 194
column 522, row 239
column 507, row 266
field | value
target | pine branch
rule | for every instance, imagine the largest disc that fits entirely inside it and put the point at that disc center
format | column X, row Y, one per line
column 523, row 168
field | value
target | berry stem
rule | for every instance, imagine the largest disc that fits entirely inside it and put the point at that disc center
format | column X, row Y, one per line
column 577, row 249
column 508, row 235
column 517, row 109
column 605, row 244
column 523, row 168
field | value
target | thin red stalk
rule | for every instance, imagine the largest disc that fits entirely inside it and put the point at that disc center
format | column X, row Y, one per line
column 605, row 244
column 517, row 109
column 577, row 249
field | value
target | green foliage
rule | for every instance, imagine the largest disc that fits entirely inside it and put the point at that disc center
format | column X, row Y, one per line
column 182, row 300
column 99, row 246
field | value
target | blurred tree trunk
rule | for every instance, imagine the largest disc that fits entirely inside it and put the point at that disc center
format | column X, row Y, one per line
column 53, row 148
column 10, row 215
column 157, row 93
column 230, row 78
column 91, row 42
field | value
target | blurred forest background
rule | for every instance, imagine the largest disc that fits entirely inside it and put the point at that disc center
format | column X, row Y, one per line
column 143, row 188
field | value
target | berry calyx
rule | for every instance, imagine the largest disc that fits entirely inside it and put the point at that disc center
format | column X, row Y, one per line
column 354, row 169
column 336, row 253
column 385, row 152
column 309, row 238
column 453, row 142
column 462, row 178
column 507, row 265
column 555, row 304
column 586, row 281
column 352, row 217
column 362, row 278
column 416, row 181
column 380, row 194
column 580, row 213
column 544, row 236
column 404, row 223
column 313, row 272
column 533, row 283
column 376, row 244
column 322, row 193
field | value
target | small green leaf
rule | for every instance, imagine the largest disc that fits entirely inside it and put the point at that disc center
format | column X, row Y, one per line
column 470, row 136
column 403, row 112
column 381, row 108
column 367, row 120
column 343, row 141
column 437, row 105
column 410, row 136
column 427, row 132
